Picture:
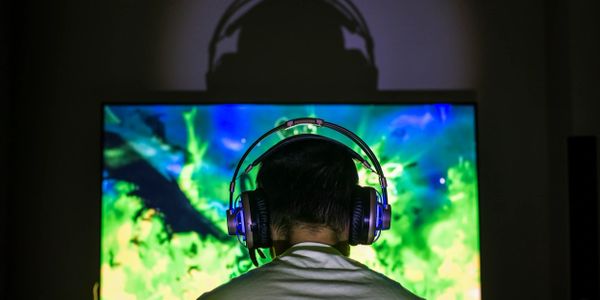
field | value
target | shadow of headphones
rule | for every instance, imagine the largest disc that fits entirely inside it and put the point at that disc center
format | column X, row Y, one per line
column 341, row 70
column 248, row 217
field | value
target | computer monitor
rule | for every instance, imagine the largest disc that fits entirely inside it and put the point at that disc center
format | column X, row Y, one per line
column 165, row 190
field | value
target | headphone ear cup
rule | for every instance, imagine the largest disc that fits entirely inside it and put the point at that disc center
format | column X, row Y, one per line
column 357, row 232
column 363, row 215
column 261, row 227
column 355, row 222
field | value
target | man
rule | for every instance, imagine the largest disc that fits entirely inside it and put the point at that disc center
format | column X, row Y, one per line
column 308, row 184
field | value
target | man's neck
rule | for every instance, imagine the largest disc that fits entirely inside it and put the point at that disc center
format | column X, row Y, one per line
column 309, row 233
column 303, row 233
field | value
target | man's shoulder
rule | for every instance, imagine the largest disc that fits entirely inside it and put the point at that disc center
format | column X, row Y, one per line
column 239, row 286
column 278, row 279
column 385, row 286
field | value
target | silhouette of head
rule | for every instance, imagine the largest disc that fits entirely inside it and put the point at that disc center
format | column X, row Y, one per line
column 292, row 46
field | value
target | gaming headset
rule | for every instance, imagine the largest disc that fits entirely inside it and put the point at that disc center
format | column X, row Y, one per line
column 248, row 216
column 230, row 70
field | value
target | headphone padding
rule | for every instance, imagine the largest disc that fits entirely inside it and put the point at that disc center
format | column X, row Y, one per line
column 359, row 205
column 260, row 211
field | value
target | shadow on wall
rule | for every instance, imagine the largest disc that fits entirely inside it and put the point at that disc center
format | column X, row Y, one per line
column 291, row 47
column 421, row 45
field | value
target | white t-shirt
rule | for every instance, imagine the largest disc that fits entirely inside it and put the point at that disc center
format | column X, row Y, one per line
column 310, row 271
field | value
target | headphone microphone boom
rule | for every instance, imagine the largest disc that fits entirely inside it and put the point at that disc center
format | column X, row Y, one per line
column 249, row 218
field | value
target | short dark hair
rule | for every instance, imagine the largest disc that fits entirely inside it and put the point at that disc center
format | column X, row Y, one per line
column 309, row 182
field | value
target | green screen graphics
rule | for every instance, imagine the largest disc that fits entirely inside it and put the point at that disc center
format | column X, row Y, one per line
column 166, row 175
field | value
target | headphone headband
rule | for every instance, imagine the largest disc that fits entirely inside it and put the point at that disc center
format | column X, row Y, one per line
column 321, row 123
column 313, row 137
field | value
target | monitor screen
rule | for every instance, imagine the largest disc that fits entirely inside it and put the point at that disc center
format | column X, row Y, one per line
column 165, row 190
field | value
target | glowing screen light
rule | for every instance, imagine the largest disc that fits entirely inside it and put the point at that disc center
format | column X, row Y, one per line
column 165, row 188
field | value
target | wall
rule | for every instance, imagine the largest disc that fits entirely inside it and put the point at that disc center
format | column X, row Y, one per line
column 584, row 46
column 4, row 134
column 418, row 44
column 71, row 52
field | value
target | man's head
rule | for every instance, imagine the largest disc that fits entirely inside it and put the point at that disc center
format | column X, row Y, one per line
column 308, row 184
